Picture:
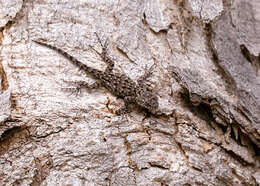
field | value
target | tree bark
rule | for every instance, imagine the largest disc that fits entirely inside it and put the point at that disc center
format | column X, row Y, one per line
column 206, row 57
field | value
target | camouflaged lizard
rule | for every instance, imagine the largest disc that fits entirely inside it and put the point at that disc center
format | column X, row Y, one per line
column 118, row 84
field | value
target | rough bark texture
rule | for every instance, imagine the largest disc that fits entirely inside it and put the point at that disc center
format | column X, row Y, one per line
column 207, row 60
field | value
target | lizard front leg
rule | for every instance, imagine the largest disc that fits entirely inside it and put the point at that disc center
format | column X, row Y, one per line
column 81, row 84
column 125, row 109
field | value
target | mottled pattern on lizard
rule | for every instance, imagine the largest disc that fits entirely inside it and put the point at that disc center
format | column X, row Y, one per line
column 118, row 84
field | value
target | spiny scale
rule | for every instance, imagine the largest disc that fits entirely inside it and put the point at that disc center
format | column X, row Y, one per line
column 118, row 84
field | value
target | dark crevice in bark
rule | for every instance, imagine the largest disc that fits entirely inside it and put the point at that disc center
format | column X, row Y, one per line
column 49, row 134
column 229, row 82
column 256, row 150
column 13, row 136
column 158, row 166
column 131, row 164
column 4, row 82
column 204, row 111
column 230, row 85
column 9, row 133
column 254, row 60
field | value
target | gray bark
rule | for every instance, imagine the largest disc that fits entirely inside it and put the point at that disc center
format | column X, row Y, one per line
column 206, row 57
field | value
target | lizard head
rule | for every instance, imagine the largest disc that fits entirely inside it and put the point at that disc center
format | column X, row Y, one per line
column 147, row 100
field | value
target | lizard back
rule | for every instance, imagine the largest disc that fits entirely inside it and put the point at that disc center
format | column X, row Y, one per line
column 118, row 84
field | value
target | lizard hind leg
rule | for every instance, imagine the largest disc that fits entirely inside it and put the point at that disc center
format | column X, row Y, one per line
column 81, row 84
column 122, row 111
column 125, row 109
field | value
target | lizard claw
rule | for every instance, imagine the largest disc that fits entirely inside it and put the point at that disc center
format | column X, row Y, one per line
column 73, row 90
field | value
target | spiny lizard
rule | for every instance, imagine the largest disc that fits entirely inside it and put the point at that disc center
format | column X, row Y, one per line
column 118, row 84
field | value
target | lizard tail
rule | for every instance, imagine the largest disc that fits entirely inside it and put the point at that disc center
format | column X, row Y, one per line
column 68, row 56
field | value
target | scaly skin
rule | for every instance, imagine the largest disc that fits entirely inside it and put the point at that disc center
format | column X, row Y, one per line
column 118, row 84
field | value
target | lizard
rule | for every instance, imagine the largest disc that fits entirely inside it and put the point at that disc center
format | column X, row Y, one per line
column 118, row 84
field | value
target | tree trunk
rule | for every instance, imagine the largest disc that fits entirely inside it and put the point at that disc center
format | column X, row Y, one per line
column 206, row 59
